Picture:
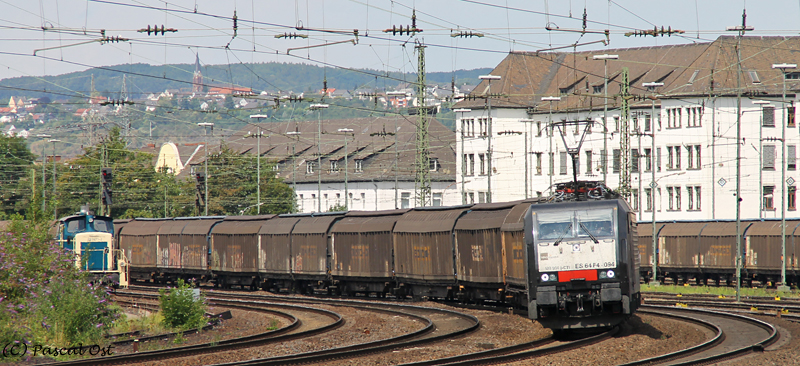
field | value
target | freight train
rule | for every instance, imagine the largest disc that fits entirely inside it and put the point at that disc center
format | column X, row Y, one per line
column 571, row 260
column 705, row 251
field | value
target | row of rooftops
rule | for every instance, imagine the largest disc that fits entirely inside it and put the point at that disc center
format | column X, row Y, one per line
column 686, row 70
column 371, row 148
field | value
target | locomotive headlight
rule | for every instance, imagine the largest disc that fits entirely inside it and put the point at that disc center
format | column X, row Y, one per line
column 606, row 274
column 549, row 277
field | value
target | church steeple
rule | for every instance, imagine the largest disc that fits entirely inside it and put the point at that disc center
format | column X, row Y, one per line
column 197, row 79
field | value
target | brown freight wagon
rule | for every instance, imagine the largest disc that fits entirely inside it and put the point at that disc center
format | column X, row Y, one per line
column 678, row 249
column 235, row 249
column 194, row 250
column 717, row 252
column 515, row 252
column 275, row 254
column 479, row 251
column 762, row 247
column 139, row 241
column 424, row 251
column 310, row 250
column 169, row 246
column 645, row 245
column 361, row 252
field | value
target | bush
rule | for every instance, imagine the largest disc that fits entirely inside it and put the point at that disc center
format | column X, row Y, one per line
column 180, row 309
column 44, row 298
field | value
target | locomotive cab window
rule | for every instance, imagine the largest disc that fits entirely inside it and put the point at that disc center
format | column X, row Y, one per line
column 571, row 224
column 103, row 225
column 597, row 223
column 75, row 226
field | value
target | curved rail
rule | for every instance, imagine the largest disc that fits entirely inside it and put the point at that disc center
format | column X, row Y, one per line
column 274, row 336
column 720, row 347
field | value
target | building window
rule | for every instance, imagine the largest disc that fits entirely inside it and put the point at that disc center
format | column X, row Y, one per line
column 482, row 158
column 635, row 160
column 690, row 198
column 697, row 196
column 538, row 129
column 334, row 166
column 603, row 160
column 791, row 157
column 670, row 158
column 768, row 116
column 552, row 163
column 338, row 197
column 658, row 159
column 768, row 157
column 471, row 164
column 471, row 197
column 635, row 199
column 648, row 120
column 313, row 201
column 615, row 161
column 481, row 197
column 670, row 197
column 690, row 157
column 434, row 164
column 464, row 164
column 562, row 157
column 694, row 116
column 697, row 161
column 484, row 125
column 359, row 165
column 791, row 198
column 674, row 198
column 405, row 198
column 790, row 117
column 768, row 197
column 309, row 167
column 538, row 163
column 648, row 160
column 302, row 203
column 437, row 199
column 648, row 192
column 589, row 162
column 363, row 201
column 616, row 123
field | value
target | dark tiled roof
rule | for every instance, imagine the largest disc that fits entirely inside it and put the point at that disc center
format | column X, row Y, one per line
column 529, row 76
column 371, row 140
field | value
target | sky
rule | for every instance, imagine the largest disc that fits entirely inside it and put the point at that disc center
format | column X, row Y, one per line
column 50, row 37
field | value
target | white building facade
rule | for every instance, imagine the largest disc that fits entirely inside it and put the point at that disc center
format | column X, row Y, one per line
column 690, row 173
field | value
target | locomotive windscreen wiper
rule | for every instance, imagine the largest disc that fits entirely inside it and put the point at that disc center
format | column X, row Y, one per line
column 588, row 232
column 561, row 237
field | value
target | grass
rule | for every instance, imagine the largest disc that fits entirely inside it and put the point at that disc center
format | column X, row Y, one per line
column 725, row 291
column 274, row 324
column 151, row 323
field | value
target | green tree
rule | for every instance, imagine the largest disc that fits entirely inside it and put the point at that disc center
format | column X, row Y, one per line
column 136, row 184
column 16, row 161
column 232, row 185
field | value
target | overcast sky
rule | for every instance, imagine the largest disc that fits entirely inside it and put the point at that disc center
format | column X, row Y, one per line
column 507, row 25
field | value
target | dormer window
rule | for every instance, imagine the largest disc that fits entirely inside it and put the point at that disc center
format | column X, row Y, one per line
column 334, row 166
column 309, row 167
column 434, row 164
column 359, row 165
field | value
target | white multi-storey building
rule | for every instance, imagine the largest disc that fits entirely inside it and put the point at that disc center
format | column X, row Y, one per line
column 688, row 172
column 378, row 155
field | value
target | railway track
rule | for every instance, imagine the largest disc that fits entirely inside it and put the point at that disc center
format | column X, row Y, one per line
column 296, row 329
column 735, row 336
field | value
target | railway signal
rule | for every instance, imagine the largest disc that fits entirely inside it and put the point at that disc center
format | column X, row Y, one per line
column 200, row 196
column 107, row 179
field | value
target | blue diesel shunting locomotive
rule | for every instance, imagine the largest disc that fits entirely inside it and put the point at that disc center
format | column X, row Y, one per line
column 90, row 238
